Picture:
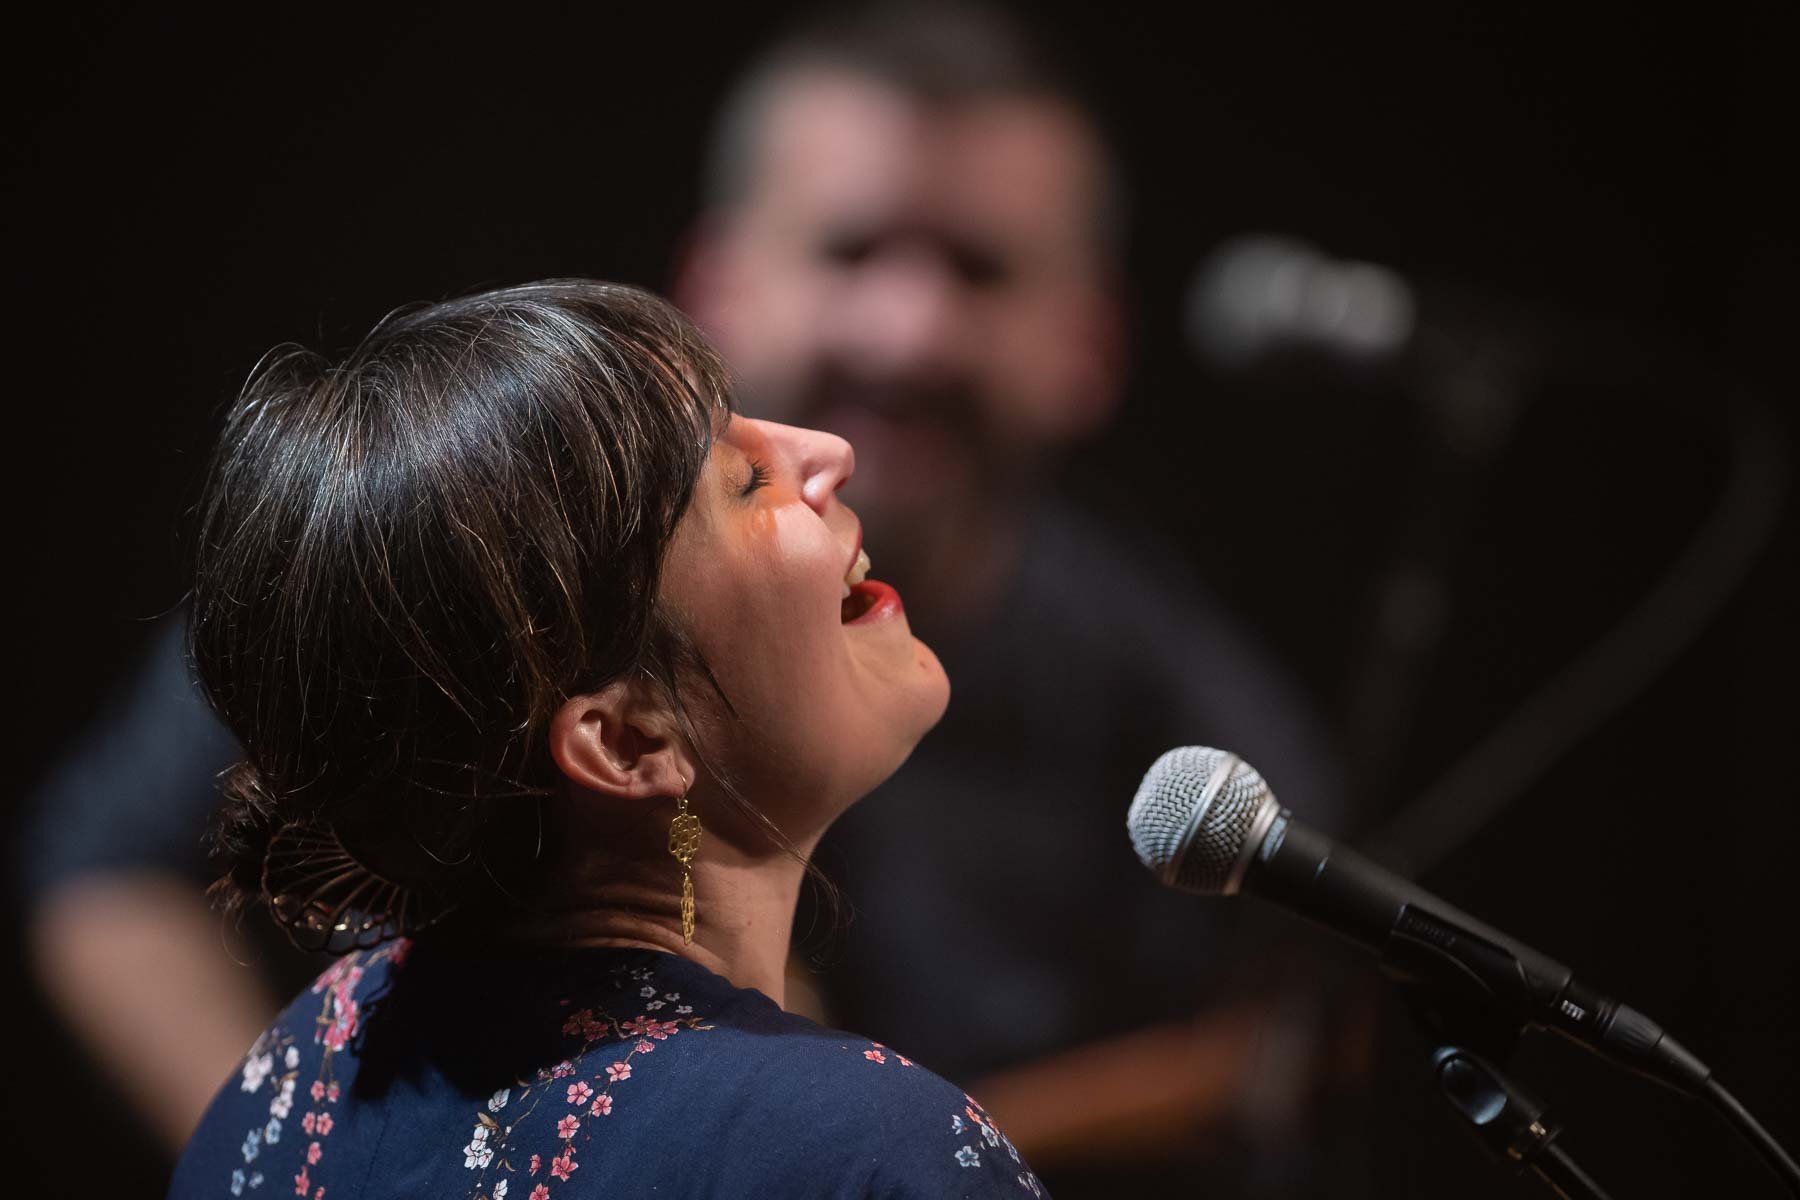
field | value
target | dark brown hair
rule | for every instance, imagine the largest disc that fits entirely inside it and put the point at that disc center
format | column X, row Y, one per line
column 407, row 560
column 942, row 54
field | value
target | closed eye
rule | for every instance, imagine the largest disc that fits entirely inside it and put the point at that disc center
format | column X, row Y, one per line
column 759, row 477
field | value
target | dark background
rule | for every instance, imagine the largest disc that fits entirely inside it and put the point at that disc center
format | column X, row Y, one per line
column 1594, row 195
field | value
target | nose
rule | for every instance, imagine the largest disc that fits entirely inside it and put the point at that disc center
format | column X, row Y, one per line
column 821, row 461
column 903, row 316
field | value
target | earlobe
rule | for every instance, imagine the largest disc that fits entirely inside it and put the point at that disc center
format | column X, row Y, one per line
column 611, row 743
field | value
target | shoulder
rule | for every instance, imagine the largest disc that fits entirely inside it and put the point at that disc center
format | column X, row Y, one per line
column 882, row 1123
column 1119, row 582
column 1132, row 609
column 273, row 1118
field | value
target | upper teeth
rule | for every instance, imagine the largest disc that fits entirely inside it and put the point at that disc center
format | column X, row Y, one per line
column 859, row 571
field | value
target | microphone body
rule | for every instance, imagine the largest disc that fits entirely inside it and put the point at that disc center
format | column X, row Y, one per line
column 1221, row 831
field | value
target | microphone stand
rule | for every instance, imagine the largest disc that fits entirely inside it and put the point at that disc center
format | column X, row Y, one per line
column 1468, row 1041
column 1510, row 1122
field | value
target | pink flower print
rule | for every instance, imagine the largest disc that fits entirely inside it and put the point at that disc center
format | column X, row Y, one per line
column 536, row 1162
column 324, row 1125
column 602, row 1106
column 563, row 1165
column 398, row 949
column 644, row 1046
column 319, row 1194
column 579, row 1092
column 343, row 1023
column 313, row 1152
column 617, row 1071
column 649, row 1027
column 540, row 1192
column 330, row 975
column 577, row 1020
column 562, row 1069
column 318, row 1090
column 565, row 1128
column 875, row 1056
column 331, row 1093
column 302, row 1184
column 905, row 1061
column 593, row 1030
column 308, row 1121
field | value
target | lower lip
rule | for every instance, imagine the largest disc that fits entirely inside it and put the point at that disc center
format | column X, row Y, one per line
column 886, row 601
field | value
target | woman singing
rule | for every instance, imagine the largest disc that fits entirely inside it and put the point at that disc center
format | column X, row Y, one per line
column 550, row 673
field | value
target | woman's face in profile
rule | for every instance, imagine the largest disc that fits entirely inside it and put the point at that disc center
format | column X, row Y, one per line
column 831, row 694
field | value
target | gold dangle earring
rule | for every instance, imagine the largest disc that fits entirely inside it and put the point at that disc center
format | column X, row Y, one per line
column 684, row 840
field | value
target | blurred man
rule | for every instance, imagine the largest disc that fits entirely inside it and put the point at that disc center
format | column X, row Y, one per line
column 912, row 240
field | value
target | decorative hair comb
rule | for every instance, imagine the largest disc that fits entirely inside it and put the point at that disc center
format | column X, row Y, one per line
column 326, row 900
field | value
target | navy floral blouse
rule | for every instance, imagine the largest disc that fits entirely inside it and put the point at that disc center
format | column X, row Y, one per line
column 416, row 1070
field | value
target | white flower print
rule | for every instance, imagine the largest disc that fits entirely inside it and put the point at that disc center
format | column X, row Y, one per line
column 292, row 1058
column 967, row 1157
column 237, row 1183
column 991, row 1135
column 671, row 995
column 272, row 1132
column 257, row 1069
column 654, row 1005
column 647, row 991
column 956, row 1123
column 478, row 1153
column 500, row 1190
column 283, row 1103
column 682, row 1010
column 497, row 1101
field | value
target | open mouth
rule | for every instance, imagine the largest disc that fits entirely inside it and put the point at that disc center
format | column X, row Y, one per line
column 868, row 599
column 865, row 599
column 861, row 599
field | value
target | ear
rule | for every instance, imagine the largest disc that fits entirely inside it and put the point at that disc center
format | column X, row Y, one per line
column 700, row 273
column 616, row 743
column 1107, row 346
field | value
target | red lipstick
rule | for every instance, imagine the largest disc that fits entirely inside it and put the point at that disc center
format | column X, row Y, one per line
column 878, row 601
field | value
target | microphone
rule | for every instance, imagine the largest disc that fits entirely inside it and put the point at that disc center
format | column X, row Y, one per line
column 1260, row 294
column 1204, row 821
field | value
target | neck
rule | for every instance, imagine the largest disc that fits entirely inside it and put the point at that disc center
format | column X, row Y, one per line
column 743, row 904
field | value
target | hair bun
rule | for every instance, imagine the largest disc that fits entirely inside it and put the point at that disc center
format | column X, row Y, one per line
column 241, row 832
column 325, row 898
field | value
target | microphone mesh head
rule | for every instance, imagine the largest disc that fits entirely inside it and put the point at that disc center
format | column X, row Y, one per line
column 1192, row 817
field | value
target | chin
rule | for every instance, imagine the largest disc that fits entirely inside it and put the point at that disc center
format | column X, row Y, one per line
column 933, row 703
column 934, row 688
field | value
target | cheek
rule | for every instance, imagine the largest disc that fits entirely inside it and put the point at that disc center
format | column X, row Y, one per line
column 774, row 329
column 768, row 623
